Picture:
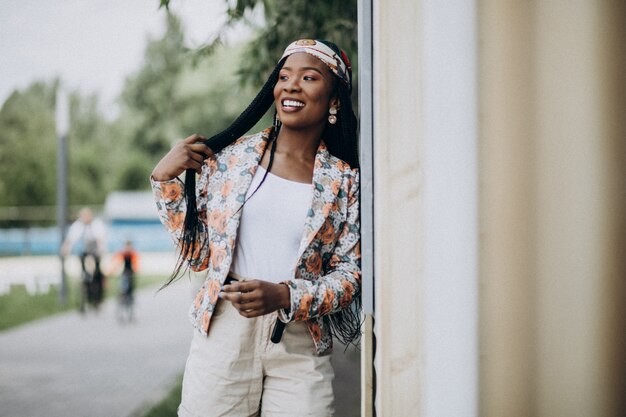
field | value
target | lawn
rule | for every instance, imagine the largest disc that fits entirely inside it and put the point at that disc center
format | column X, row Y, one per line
column 169, row 405
column 18, row 307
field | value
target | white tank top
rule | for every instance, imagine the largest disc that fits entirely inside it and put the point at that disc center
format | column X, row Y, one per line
column 271, row 227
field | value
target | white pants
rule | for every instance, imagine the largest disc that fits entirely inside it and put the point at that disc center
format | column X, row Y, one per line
column 237, row 371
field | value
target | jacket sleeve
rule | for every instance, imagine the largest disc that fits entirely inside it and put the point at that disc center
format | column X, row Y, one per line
column 341, row 283
column 171, row 207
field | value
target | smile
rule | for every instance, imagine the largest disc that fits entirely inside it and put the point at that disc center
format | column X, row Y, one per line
column 292, row 103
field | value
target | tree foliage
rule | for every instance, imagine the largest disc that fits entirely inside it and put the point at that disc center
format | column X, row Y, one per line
column 28, row 157
column 171, row 97
column 284, row 22
column 88, row 148
column 151, row 95
column 175, row 93
column 28, row 160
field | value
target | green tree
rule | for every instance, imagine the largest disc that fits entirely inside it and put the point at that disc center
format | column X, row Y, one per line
column 171, row 97
column 151, row 96
column 29, row 151
column 28, row 140
column 89, row 156
column 286, row 21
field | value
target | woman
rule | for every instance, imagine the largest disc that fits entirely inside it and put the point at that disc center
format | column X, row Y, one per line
column 278, row 233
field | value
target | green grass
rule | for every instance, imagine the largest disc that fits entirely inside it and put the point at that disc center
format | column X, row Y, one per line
column 18, row 307
column 169, row 405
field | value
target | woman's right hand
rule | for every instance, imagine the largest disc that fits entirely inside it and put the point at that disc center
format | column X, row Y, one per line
column 188, row 153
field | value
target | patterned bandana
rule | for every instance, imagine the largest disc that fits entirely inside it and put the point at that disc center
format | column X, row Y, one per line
column 340, row 65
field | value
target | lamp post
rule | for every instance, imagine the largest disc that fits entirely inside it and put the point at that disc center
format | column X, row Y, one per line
column 62, row 128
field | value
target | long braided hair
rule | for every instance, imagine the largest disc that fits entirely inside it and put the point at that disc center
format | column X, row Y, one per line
column 341, row 142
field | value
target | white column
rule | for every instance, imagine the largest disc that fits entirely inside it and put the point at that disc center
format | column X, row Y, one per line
column 397, row 207
column 426, row 228
column 450, row 226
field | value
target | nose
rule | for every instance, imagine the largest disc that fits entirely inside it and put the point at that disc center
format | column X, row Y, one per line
column 291, row 85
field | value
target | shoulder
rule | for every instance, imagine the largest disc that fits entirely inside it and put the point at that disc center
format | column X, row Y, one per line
column 243, row 149
column 350, row 175
column 247, row 143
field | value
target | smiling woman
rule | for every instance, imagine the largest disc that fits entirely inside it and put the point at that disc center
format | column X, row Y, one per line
column 278, row 233
column 304, row 92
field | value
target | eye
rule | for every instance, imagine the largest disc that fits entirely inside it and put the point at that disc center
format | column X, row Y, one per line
column 309, row 78
column 282, row 77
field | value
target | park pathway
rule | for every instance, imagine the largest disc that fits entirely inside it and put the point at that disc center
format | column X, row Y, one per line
column 72, row 365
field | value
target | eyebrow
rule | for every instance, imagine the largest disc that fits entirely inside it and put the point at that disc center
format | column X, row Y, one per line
column 305, row 69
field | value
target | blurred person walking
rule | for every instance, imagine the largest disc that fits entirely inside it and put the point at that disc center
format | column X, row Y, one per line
column 90, row 235
column 278, row 233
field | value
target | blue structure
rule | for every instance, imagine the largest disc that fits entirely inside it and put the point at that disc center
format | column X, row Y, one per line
column 129, row 215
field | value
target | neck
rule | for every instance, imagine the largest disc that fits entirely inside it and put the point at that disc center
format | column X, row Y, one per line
column 300, row 144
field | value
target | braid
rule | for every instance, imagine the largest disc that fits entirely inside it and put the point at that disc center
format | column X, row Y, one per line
column 194, row 233
column 341, row 138
column 342, row 142
column 250, row 116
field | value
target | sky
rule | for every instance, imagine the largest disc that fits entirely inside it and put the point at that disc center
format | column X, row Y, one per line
column 92, row 45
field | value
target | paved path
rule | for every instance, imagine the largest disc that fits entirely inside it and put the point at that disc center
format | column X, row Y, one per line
column 91, row 366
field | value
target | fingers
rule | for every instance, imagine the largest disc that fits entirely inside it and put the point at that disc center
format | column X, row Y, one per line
column 194, row 138
column 242, row 286
column 247, row 304
column 202, row 149
column 194, row 154
column 238, row 297
column 197, row 144
column 251, row 313
column 188, row 153
column 246, row 298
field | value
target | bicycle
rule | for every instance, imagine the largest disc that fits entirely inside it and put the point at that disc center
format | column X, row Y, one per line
column 125, row 301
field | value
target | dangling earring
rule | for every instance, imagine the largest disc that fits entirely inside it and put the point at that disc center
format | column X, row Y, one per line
column 332, row 119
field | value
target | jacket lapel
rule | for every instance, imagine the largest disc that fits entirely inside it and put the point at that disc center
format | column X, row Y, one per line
column 240, row 175
column 325, row 173
column 245, row 169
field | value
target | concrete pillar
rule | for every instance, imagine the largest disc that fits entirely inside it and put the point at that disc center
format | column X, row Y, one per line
column 397, row 206
column 425, row 205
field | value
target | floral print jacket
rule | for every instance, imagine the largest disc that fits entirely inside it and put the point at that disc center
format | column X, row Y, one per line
column 327, row 273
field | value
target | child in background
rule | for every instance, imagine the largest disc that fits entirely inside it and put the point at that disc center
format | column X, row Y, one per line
column 128, row 258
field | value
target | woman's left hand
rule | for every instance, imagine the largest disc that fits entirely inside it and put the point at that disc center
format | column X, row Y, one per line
column 255, row 297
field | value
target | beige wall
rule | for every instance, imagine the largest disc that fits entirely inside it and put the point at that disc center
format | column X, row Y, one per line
column 552, row 208
column 506, row 205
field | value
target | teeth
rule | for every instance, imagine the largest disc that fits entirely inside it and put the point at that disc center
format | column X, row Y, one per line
column 292, row 103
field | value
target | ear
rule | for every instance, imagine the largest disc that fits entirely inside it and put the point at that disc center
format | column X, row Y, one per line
column 334, row 102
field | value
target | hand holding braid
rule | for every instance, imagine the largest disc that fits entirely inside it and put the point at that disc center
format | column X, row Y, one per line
column 188, row 153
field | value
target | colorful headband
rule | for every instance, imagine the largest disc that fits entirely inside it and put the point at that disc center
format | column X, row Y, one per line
column 340, row 65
